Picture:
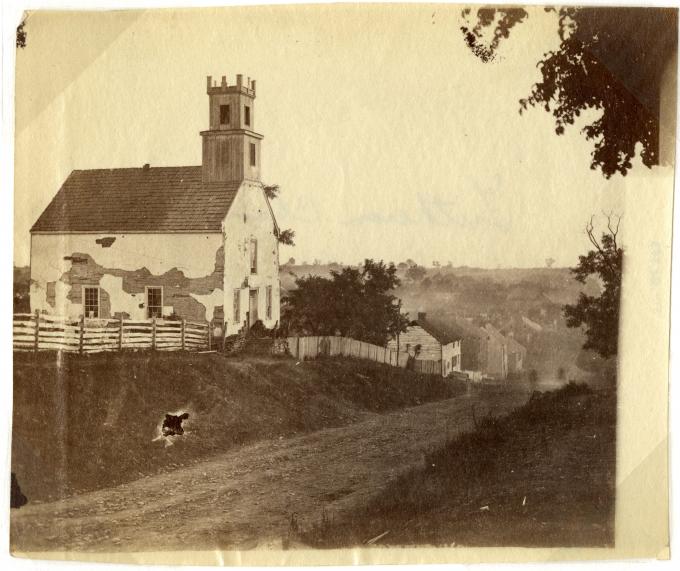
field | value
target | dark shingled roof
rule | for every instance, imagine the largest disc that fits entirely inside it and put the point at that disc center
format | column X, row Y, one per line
column 459, row 328
column 441, row 333
column 157, row 199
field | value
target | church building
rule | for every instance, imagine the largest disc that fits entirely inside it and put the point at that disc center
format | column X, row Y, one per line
column 191, row 242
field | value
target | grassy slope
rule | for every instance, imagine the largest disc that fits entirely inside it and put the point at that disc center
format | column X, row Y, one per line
column 91, row 423
column 546, row 472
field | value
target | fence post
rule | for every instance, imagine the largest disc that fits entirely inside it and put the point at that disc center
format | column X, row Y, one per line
column 36, row 340
column 153, row 332
column 184, row 325
column 82, row 330
column 120, row 333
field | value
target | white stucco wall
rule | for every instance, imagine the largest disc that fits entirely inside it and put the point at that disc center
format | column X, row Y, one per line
column 250, row 217
column 192, row 254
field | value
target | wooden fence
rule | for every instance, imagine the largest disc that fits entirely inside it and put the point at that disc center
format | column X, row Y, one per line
column 427, row 367
column 38, row 332
column 311, row 347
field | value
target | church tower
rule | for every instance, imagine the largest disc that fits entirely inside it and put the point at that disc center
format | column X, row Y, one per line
column 231, row 148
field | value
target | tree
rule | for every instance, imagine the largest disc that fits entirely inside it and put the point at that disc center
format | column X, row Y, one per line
column 290, row 262
column 610, row 59
column 599, row 314
column 549, row 262
column 354, row 302
column 285, row 237
column 271, row 190
column 416, row 273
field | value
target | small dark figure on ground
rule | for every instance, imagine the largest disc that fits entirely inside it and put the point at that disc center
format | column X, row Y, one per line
column 172, row 425
column 17, row 499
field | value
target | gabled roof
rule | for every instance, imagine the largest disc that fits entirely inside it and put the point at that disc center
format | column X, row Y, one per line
column 442, row 334
column 151, row 199
column 460, row 328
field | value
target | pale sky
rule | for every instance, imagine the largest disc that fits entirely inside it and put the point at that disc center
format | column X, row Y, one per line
column 388, row 137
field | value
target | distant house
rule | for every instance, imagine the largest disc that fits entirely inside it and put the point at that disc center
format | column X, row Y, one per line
column 517, row 354
column 497, row 358
column 483, row 349
column 424, row 341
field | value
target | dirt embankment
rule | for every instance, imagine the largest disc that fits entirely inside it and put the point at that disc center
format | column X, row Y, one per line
column 542, row 476
column 86, row 423
column 260, row 495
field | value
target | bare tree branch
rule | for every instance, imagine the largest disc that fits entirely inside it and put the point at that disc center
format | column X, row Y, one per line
column 613, row 231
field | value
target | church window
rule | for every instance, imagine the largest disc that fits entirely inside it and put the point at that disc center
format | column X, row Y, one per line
column 237, row 306
column 253, row 256
column 247, row 115
column 154, row 302
column 269, row 302
column 253, row 157
column 91, row 301
column 225, row 118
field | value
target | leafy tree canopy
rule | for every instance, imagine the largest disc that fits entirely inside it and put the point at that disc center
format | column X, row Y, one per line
column 271, row 191
column 354, row 302
column 609, row 59
column 599, row 314
column 286, row 237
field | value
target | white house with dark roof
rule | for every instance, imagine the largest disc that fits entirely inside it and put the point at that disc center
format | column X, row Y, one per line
column 196, row 242
column 425, row 341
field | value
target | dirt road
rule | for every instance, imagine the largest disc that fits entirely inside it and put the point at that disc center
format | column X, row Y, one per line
column 245, row 498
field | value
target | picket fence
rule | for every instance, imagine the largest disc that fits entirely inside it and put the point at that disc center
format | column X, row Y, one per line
column 38, row 332
column 311, row 347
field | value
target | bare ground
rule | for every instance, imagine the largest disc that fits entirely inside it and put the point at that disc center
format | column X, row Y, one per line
column 246, row 497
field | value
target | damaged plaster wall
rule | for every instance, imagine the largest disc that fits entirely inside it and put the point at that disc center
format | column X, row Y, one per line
column 123, row 265
column 250, row 217
column 210, row 302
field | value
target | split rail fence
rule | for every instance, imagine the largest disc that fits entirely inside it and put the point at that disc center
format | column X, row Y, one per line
column 40, row 332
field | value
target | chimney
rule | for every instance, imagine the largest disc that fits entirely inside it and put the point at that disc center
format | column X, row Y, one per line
column 421, row 316
column 239, row 80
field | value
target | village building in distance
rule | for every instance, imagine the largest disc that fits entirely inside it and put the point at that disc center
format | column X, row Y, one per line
column 460, row 346
column 423, row 341
column 192, row 242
